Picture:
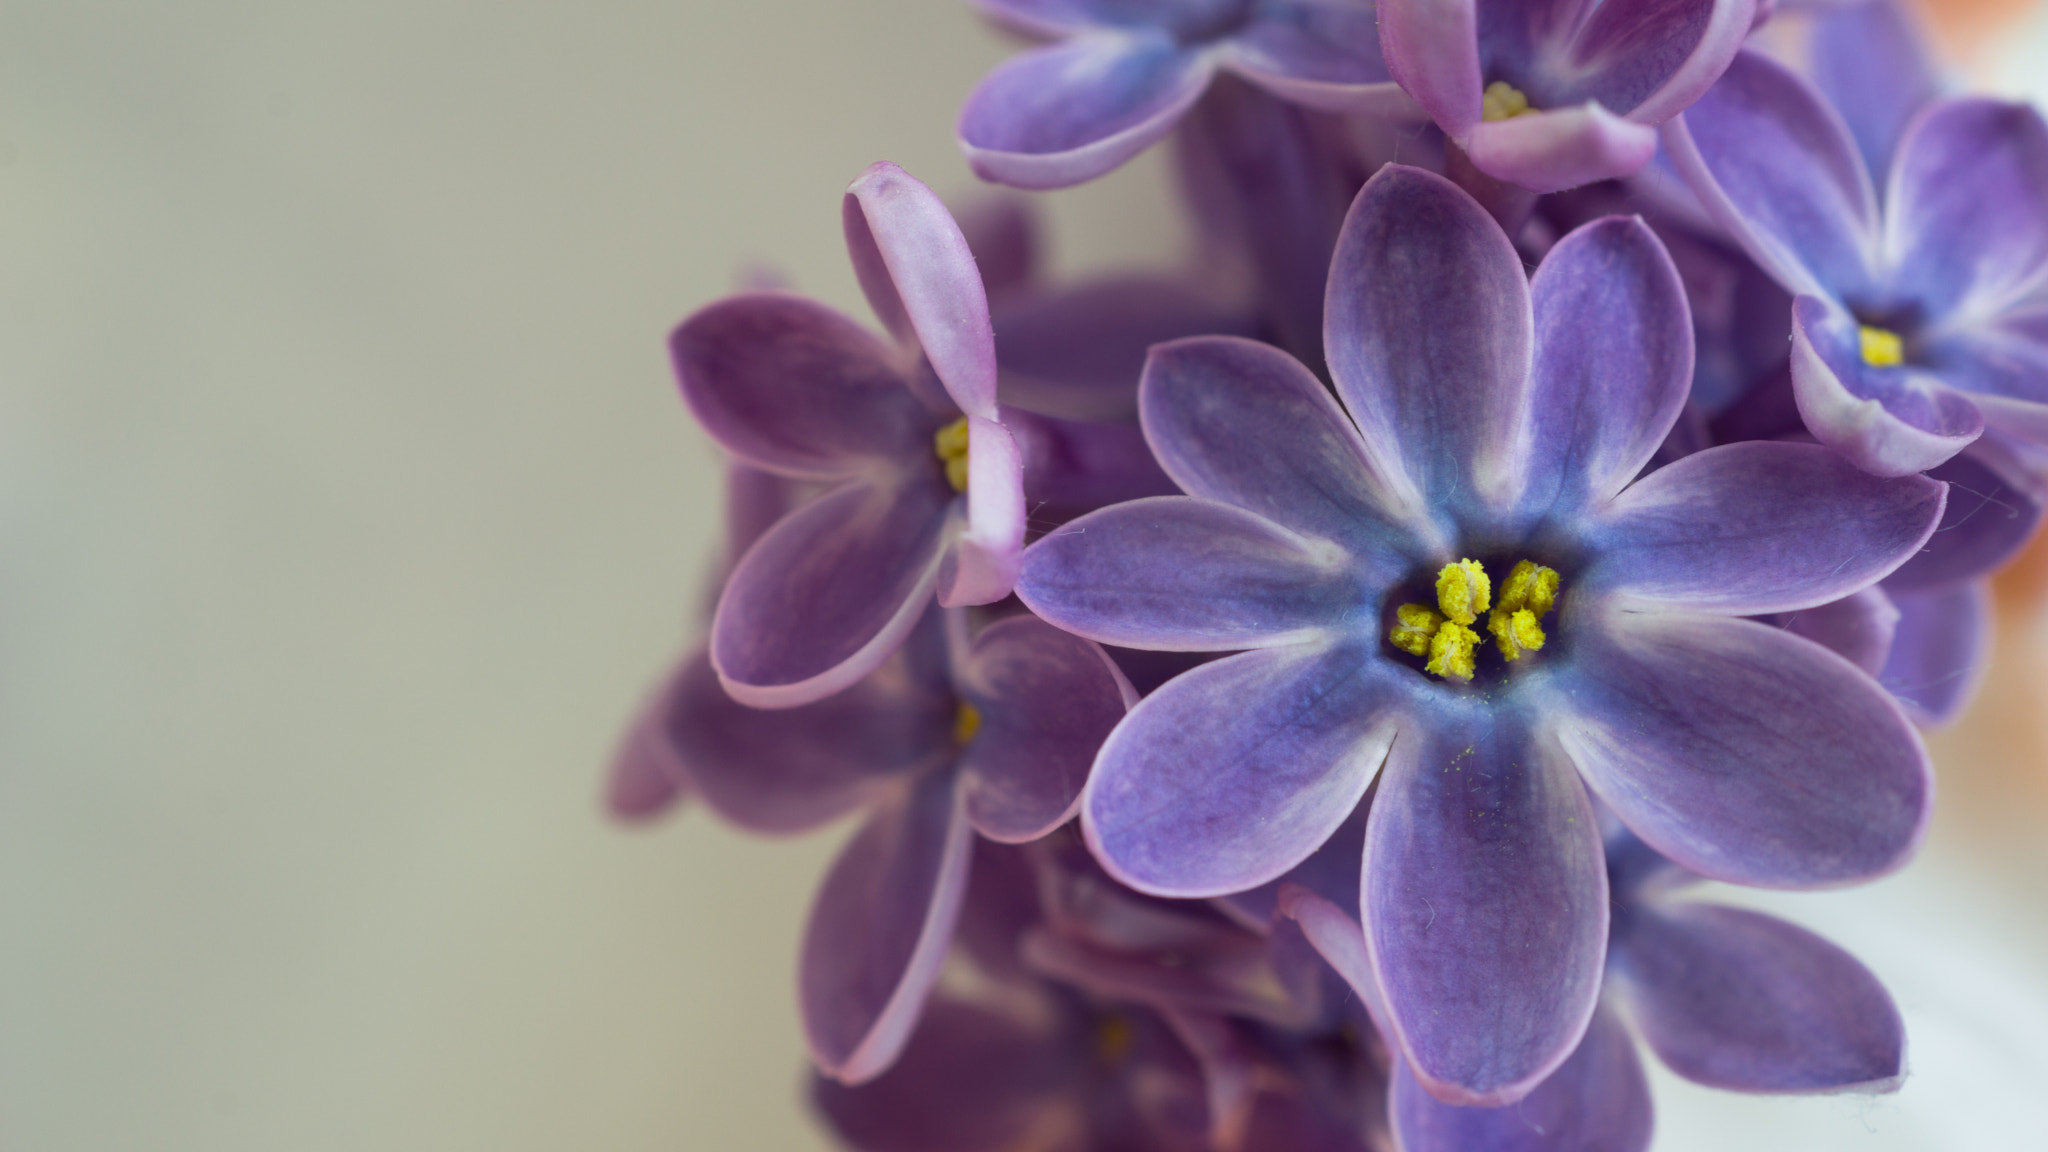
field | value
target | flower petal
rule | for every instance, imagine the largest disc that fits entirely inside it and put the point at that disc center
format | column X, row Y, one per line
column 1889, row 420
column 1075, row 466
column 1002, row 231
column 919, row 276
column 879, row 927
column 1858, row 627
column 1339, row 940
column 829, row 592
column 1870, row 61
column 1742, row 753
column 1189, row 575
column 1776, row 167
column 1427, row 331
column 1940, row 651
column 791, row 386
column 1967, row 207
column 647, row 778
column 1992, row 511
column 2003, row 366
column 1597, row 1101
column 1758, row 526
column 1560, row 148
column 1319, row 53
column 1649, row 61
column 1485, row 903
column 982, row 569
column 1613, row 362
column 1069, row 112
column 1736, row 999
column 1077, row 353
column 1244, row 423
column 1234, row 772
column 1046, row 701
column 1431, row 48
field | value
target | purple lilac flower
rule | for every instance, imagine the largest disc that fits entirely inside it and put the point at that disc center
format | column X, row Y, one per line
column 924, row 481
column 1917, row 320
column 1550, row 96
column 1121, row 73
column 1489, row 424
column 946, row 739
column 1726, row 997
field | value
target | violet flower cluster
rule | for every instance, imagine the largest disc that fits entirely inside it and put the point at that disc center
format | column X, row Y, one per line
column 1290, row 701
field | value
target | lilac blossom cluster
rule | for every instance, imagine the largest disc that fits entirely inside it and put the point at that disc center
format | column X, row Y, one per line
column 1287, row 702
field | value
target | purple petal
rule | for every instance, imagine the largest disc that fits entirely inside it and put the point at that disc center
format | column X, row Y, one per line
column 1074, row 466
column 1319, row 53
column 1077, row 353
column 1431, row 48
column 1046, row 701
column 1244, row 423
column 793, row 387
column 754, row 501
column 1069, row 112
column 829, row 592
column 982, row 568
column 1002, row 232
column 1759, row 526
column 1736, row 999
column 1776, row 167
column 1940, row 651
column 1858, row 627
column 789, row 771
column 1338, row 939
column 1743, row 753
column 1330, row 872
column 1604, row 394
column 2002, row 365
column 647, row 778
column 1428, row 332
column 1647, row 61
column 919, row 276
column 970, row 1080
column 1191, row 575
column 1889, row 420
column 1870, row 61
column 1234, row 772
column 1485, row 903
column 1560, row 148
column 1993, row 507
column 879, row 927
column 1967, row 206
column 1597, row 1101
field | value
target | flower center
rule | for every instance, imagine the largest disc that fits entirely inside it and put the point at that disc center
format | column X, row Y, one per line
column 950, row 443
column 1882, row 347
column 1444, row 634
column 1503, row 101
column 966, row 722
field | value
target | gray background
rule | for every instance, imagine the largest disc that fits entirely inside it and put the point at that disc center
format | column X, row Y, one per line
column 346, row 509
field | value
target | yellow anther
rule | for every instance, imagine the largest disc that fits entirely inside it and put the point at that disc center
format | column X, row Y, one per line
column 1882, row 347
column 951, row 444
column 1525, row 596
column 1516, row 632
column 1414, row 624
column 1463, row 591
column 966, row 722
column 1453, row 652
column 1503, row 101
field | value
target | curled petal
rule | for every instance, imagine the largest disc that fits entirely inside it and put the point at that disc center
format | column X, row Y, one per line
column 879, row 927
column 1736, row 999
column 1189, row 575
column 1870, row 61
column 1233, row 773
column 1597, row 1101
column 1046, row 700
column 1967, row 208
column 1560, row 148
column 1858, row 627
column 1427, row 332
column 1605, row 392
column 1626, row 53
column 829, row 592
column 1889, row 420
column 1069, row 112
column 1760, row 526
column 1775, row 166
column 983, row 566
column 1431, row 48
column 1940, row 650
column 1485, row 903
column 919, row 276
column 1742, row 753
column 791, row 386
column 1339, row 940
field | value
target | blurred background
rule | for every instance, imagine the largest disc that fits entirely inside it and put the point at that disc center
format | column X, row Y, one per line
column 347, row 510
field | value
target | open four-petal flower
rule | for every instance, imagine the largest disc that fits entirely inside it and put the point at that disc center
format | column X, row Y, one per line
column 1485, row 420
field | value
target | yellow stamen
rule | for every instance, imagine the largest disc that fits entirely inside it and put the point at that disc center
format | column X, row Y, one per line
column 1526, row 595
column 1503, row 101
column 1414, row 624
column 966, row 722
column 1463, row 591
column 1882, row 347
column 951, row 444
column 1453, row 651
